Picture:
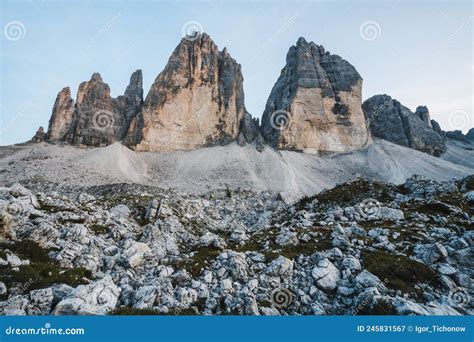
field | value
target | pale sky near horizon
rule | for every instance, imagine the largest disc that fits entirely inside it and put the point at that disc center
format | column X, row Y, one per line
column 419, row 52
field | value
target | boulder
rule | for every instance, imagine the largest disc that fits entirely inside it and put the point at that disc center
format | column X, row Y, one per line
column 326, row 275
column 97, row 298
column 281, row 266
column 39, row 136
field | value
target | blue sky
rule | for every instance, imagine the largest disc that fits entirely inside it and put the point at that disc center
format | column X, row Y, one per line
column 419, row 52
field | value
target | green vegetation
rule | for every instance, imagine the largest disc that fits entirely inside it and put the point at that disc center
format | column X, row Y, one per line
column 51, row 209
column 41, row 272
column 315, row 244
column 127, row 311
column 358, row 190
column 399, row 272
column 99, row 229
column 202, row 258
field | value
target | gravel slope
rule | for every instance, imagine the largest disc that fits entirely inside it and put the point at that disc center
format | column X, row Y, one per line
column 228, row 166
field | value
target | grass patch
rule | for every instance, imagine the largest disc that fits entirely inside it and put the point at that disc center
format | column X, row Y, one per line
column 468, row 182
column 358, row 190
column 42, row 271
column 202, row 258
column 127, row 311
column 251, row 246
column 319, row 244
column 435, row 208
column 399, row 272
column 51, row 208
column 99, row 229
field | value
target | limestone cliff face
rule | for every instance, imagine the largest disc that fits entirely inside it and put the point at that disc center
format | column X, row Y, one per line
column 62, row 115
column 196, row 101
column 315, row 105
column 97, row 119
column 392, row 121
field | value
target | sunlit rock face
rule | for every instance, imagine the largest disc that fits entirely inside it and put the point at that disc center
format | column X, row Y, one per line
column 196, row 101
column 62, row 115
column 315, row 105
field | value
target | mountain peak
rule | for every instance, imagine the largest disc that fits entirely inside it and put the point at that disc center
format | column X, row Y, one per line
column 301, row 41
column 315, row 104
column 196, row 101
column 96, row 77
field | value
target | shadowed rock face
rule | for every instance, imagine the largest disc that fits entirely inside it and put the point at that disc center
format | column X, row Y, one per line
column 196, row 101
column 249, row 132
column 39, row 136
column 315, row 104
column 97, row 119
column 458, row 135
column 390, row 120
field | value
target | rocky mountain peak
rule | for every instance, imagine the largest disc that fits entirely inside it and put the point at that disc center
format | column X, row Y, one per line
column 134, row 91
column 62, row 115
column 96, row 119
column 301, row 41
column 392, row 121
column 315, row 104
column 93, row 90
column 196, row 101
column 424, row 114
column 96, row 77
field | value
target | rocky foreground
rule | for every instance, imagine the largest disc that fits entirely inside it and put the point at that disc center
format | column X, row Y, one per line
column 361, row 248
